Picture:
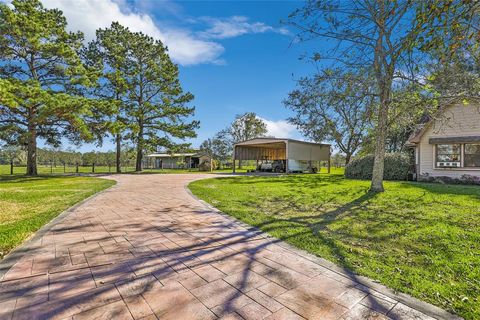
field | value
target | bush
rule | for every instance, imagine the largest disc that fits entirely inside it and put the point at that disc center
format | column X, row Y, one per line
column 464, row 179
column 469, row 179
column 397, row 167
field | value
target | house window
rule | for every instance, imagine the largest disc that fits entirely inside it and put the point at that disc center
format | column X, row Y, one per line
column 472, row 155
column 448, row 155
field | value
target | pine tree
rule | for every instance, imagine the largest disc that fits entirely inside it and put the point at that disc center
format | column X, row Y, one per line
column 109, row 53
column 41, row 74
column 158, row 107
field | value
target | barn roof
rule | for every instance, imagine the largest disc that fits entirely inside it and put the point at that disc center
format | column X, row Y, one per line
column 175, row 155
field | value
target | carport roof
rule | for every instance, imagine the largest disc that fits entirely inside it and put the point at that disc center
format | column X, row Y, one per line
column 260, row 141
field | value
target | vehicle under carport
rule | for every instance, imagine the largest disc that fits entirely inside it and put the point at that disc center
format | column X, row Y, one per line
column 296, row 155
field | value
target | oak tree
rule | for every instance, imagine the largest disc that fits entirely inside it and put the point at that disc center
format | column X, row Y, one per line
column 394, row 39
column 334, row 106
column 219, row 146
column 247, row 126
column 380, row 35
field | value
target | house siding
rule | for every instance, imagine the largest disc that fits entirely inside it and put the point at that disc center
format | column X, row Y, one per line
column 456, row 121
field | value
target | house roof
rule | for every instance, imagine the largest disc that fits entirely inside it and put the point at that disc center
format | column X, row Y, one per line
column 418, row 133
column 422, row 128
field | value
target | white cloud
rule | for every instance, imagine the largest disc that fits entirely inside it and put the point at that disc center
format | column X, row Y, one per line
column 185, row 47
column 280, row 129
column 187, row 50
column 90, row 15
column 222, row 28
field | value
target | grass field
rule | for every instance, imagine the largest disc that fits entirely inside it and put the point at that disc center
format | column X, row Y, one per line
column 26, row 204
column 58, row 170
column 47, row 170
column 420, row 239
column 21, row 170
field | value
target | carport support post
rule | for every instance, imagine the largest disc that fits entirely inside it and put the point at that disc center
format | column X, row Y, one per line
column 329, row 158
column 234, row 149
column 286, row 158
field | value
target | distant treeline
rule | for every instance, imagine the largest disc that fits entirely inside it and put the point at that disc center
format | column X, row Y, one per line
column 69, row 157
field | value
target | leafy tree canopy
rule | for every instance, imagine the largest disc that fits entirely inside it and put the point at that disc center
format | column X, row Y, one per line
column 41, row 76
column 334, row 106
column 247, row 126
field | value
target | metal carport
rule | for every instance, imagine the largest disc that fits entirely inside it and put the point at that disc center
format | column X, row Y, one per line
column 281, row 149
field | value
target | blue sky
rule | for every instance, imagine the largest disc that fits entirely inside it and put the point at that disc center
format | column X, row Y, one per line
column 234, row 56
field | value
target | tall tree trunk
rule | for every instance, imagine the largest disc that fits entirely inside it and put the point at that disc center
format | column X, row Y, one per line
column 378, row 163
column 348, row 157
column 32, row 149
column 118, row 153
column 138, row 164
column 384, row 76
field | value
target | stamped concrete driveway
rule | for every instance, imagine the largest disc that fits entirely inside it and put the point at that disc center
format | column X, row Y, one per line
column 146, row 249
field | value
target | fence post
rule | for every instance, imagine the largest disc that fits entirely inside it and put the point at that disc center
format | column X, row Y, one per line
column 93, row 167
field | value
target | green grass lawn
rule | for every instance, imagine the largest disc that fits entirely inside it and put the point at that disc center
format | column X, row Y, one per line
column 417, row 238
column 26, row 204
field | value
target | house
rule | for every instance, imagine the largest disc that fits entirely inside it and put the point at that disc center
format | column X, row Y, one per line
column 176, row 160
column 449, row 144
column 295, row 155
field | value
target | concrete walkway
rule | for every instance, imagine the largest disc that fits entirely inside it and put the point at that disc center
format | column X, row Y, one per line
column 147, row 249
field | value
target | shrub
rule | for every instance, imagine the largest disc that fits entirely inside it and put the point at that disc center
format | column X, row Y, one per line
column 464, row 179
column 397, row 167
column 469, row 179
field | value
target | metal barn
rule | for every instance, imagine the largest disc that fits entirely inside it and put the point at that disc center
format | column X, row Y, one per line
column 175, row 160
column 293, row 152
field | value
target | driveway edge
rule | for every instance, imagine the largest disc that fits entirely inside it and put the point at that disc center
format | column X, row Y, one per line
column 422, row 306
column 16, row 254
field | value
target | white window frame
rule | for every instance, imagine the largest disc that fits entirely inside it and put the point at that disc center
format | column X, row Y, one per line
column 463, row 158
column 435, row 153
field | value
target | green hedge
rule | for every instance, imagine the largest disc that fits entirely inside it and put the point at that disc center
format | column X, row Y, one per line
column 397, row 166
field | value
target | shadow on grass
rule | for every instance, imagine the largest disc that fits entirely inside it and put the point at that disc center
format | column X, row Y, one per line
column 172, row 245
column 417, row 224
column 440, row 188
column 126, row 251
column 306, row 181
